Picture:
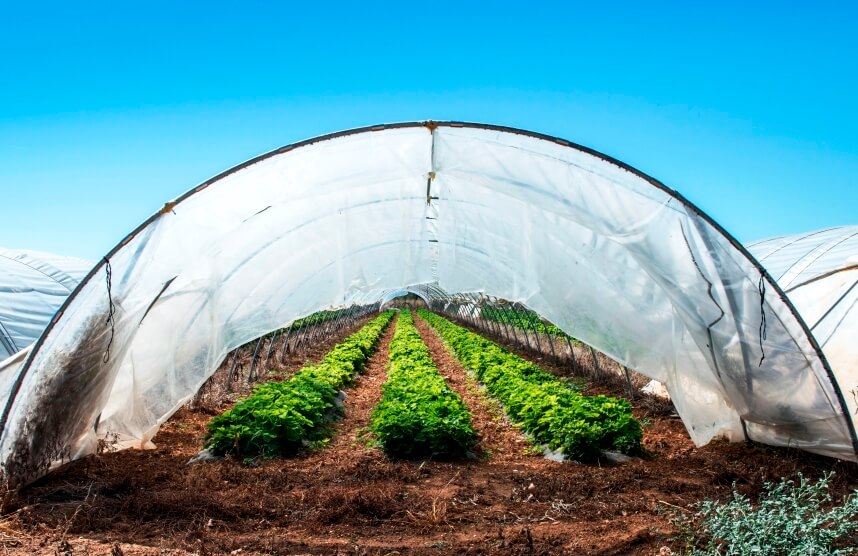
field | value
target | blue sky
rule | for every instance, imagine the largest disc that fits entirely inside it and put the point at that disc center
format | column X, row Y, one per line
column 108, row 110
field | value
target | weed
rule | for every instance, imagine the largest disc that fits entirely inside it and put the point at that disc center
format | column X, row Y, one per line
column 789, row 519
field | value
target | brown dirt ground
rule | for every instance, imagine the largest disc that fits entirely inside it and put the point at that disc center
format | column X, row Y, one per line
column 348, row 498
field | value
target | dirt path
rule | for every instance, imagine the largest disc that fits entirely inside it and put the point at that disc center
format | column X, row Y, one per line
column 500, row 440
column 361, row 399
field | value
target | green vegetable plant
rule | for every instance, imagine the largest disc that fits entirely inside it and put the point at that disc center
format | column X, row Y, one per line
column 552, row 412
column 419, row 416
column 523, row 320
column 280, row 418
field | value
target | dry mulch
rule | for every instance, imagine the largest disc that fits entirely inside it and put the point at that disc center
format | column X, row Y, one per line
column 348, row 498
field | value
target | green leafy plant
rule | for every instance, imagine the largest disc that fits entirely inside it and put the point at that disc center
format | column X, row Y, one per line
column 522, row 319
column 545, row 407
column 280, row 418
column 419, row 416
column 789, row 519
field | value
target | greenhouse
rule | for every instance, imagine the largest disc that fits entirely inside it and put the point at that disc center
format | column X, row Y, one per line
column 609, row 255
column 819, row 273
column 32, row 287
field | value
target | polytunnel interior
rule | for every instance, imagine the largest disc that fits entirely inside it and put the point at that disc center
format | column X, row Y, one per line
column 610, row 255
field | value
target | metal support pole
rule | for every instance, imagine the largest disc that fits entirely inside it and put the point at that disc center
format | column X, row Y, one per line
column 492, row 321
column 572, row 354
column 498, row 315
column 550, row 339
column 232, row 367
column 514, row 313
column 507, row 321
column 595, row 361
column 271, row 347
column 250, row 374
column 285, row 346
column 531, row 316
column 298, row 333
column 629, row 382
column 302, row 338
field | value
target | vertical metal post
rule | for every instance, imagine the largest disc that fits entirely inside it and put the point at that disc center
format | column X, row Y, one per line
column 595, row 361
column 298, row 333
column 271, row 347
column 507, row 321
column 304, row 333
column 285, row 346
column 232, row 367
column 629, row 382
column 514, row 313
column 494, row 323
column 530, row 315
column 571, row 353
column 253, row 359
column 498, row 315
column 550, row 339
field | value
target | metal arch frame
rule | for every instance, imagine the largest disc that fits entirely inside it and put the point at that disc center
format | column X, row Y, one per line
column 431, row 125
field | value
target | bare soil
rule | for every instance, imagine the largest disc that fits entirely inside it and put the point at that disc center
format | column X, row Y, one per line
column 348, row 498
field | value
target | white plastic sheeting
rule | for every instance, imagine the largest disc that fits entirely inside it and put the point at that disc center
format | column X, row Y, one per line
column 33, row 286
column 819, row 272
column 608, row 254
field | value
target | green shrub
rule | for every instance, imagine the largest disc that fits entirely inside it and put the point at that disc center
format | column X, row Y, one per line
column 419, row 416
column 790, row 519
column 552, row 412
column 280, row 417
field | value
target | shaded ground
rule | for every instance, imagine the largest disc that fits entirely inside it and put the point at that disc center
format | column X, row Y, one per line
column 349, row 498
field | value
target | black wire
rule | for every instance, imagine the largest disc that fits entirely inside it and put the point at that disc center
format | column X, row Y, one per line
column 111, row 310
column 762, row 289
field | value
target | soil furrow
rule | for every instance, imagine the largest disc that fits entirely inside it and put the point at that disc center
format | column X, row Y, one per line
column 360, row 400
column 500, row 440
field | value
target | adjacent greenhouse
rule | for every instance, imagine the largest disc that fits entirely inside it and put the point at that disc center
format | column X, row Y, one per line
column 606, row 253
column 32, row 287
column 819, row 272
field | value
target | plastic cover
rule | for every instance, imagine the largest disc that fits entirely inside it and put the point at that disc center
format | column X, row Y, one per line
column 33, row 286
column 608, row 254
column 819, row 272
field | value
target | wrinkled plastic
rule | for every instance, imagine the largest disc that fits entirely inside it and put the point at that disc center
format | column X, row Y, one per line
column 610, row 256
column 819, row 272
column 33, row 286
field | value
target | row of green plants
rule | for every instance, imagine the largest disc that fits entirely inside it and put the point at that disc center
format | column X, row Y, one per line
column 318, row 317
column 419, row 416
column 551, row 411
column 523, row 320
column 280, row 418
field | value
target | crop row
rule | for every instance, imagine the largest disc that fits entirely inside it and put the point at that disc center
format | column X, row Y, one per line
column 419, row 416
column 280, row 417
column 521, row 319
column 551, row 411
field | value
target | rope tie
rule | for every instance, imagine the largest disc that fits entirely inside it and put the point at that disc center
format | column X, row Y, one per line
column 762, row 289
column 111, row 309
